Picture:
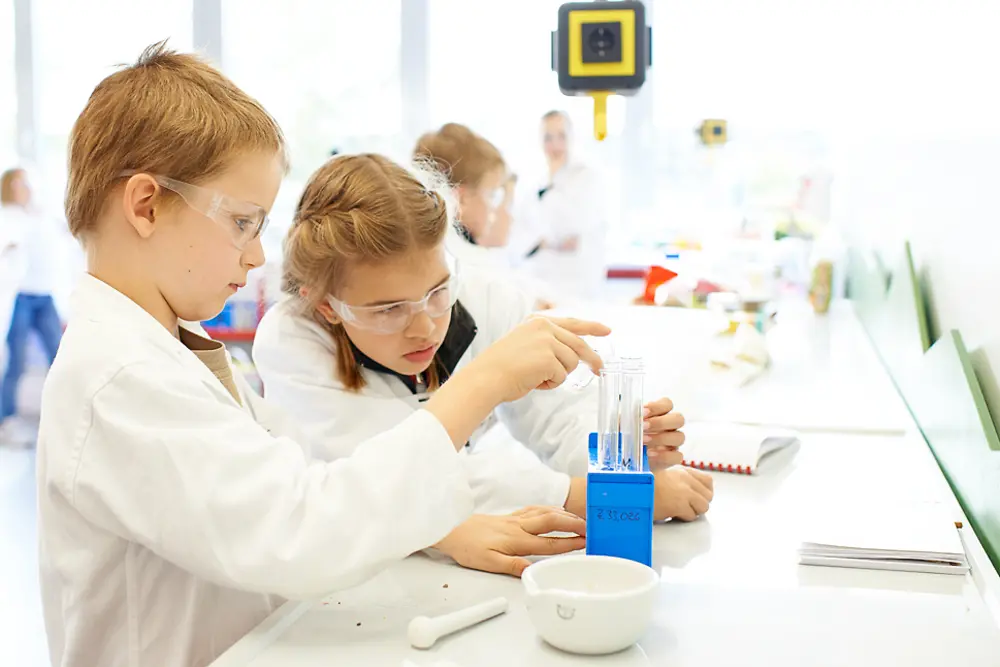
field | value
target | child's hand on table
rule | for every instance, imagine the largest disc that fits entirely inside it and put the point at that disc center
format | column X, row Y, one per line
column 682, row 493
column 660, row 434
column 499, row 543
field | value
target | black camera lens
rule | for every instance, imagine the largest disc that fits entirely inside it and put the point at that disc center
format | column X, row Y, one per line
column 602, row 40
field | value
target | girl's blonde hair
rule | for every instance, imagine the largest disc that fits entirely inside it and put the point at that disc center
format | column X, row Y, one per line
column 7, row 184
column 464, row 157
column 357, row 208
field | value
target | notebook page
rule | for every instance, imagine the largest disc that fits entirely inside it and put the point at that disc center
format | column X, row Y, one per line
column 922, row 530
column 734, row 445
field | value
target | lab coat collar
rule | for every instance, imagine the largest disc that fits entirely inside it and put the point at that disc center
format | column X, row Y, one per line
column 96, row 301
column 464, row 232
column 461, row 332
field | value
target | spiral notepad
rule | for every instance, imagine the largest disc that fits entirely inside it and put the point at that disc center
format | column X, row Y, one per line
column 735, row 448
column 909, row 538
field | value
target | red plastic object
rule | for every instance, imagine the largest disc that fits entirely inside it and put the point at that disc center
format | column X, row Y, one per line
column 229, row 335
column 656, row 276
column 629, row 272
column 706, row 287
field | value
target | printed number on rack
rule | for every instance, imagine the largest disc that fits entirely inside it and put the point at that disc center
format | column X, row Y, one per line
column 617, row 515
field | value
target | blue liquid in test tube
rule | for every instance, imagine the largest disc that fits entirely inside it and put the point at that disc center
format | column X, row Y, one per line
column 608, row 411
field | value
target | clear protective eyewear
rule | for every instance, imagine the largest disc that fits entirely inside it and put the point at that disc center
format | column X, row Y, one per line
column 495, row 197
column 500, row 195
column 392, row 318
column 244, row 221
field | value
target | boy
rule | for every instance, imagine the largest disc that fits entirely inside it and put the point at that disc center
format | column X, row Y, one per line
column 174, row 509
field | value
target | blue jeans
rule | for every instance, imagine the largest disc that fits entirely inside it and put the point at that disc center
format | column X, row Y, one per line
column 31, row 312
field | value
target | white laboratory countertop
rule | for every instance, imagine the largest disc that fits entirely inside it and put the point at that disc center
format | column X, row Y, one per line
column 732, row 591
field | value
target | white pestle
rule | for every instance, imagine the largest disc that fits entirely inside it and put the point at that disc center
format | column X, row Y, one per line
column 424, row 631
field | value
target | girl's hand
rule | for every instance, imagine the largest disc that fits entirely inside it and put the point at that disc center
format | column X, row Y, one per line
column 543, row 304
column 500, row 543
column 682, row 493
column 661, row 435
column 537, row 354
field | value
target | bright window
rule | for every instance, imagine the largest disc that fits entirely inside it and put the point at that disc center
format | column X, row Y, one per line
column 76, row 47
column 489, row 67
column 334, row 81
column 8, row 97
column 329, row 72
column 769, row 70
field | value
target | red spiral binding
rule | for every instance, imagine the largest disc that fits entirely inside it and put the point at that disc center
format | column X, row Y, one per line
column 702, row 465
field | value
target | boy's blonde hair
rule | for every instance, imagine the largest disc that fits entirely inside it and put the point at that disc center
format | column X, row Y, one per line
column 357, row 209
column 7, row 181
column 171, row 114
column 463, row 156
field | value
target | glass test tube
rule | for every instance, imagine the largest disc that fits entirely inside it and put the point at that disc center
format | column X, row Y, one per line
column 608, row 409
column 632, row 374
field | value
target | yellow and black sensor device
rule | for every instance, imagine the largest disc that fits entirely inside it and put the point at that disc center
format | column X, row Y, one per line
column 601, row 49
column 712, row 132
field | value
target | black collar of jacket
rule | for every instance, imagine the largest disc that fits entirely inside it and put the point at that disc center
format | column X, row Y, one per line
column 461, row 332
column 464, row 232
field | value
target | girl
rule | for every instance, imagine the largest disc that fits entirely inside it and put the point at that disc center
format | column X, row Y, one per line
column 477, row 173
column 379, row 319
column 176, row 509
column 483, row 191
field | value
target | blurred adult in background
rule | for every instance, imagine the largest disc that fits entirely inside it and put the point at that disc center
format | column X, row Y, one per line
column 37, row 245
column 483, row 189
column 11, row 254
column 571, row 216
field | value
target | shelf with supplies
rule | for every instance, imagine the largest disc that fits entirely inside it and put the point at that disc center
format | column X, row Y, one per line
column 237, row 323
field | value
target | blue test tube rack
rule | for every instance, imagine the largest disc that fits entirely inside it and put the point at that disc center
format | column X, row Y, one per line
column 620, row 511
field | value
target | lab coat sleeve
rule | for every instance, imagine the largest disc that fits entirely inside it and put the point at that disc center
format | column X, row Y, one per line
column 507, row 477
column 206, row 487
column 555, row 425
column 297, row 371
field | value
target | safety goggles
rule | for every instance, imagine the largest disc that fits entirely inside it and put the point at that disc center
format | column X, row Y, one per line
column 392, row 318
column 243, row 220
column 494, row 198
column 500, row 196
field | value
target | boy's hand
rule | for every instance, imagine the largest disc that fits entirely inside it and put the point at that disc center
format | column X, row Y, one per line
column 499, row 543
column 660, row 434
column 682, row 493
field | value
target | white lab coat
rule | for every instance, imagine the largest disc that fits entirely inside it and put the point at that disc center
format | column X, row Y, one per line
column 295, row 359
column 13, row 266
column 573, row 206
column 172, row 518
column 496, row 262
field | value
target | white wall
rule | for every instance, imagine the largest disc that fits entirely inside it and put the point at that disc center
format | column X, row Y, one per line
column 936, row 182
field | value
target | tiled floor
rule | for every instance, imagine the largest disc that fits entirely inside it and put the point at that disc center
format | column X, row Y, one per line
column 22, row 635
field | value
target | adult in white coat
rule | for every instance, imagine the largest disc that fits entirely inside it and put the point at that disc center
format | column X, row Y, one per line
column 175, row 507
column 35, row 261
column 376, row 319
column 571, row 216
column 12, row 262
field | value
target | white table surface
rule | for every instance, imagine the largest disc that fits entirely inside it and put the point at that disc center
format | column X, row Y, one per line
column 732, row 591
